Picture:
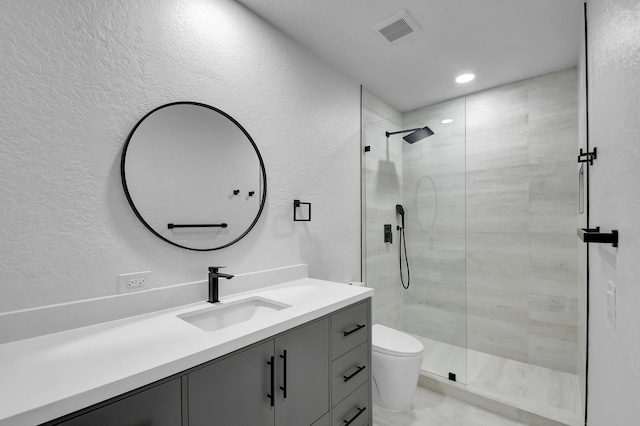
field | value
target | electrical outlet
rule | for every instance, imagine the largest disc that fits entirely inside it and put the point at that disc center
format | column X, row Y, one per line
column 135, row 281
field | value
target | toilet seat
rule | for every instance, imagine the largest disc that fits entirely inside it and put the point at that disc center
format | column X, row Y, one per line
column 388, row 341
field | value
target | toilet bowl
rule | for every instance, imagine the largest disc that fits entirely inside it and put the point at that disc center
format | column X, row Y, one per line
column 395, row 362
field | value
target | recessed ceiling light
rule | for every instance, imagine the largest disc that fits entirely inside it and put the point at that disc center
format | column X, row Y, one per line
column 447, row 121
column 465, row 78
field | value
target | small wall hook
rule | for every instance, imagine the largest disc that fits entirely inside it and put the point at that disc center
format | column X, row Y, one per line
column 251, row 193
column 236, row 191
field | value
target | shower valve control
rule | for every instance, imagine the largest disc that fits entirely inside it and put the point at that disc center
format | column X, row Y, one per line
column 388, row 235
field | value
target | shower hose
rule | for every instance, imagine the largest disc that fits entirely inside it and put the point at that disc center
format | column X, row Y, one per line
column 403, row 243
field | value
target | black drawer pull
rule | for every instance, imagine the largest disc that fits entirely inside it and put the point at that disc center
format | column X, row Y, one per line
column 272, row 395
column 360, row 326
column 360, row 411
column 347, row 378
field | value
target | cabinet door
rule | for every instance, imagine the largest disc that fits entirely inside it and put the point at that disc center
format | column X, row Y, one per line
column 233, row 391
column 303, row 375
column 158, row 406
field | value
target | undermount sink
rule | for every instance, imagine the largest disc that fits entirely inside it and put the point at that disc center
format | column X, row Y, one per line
column 227, row 314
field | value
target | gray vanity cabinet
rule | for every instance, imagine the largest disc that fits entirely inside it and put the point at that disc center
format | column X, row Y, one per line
column 304, row 368
column 317, row 374
column 237, row 390
column 351, row 366
column 233, row 391
column 158, row 405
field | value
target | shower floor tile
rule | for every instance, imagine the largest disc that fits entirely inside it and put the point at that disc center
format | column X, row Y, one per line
column 544, row 392
column 443, row 358
column 550, row 393
column 434, row 409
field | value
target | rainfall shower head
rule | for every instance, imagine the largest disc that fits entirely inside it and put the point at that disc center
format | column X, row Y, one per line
column 416, row 135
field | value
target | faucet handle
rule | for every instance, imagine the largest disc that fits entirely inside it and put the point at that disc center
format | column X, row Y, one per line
column 215, row 268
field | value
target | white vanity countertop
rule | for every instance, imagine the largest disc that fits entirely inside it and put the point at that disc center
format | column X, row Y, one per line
column 46, row 377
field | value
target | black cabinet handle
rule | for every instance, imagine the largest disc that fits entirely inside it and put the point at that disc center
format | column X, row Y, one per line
column 360, row 411
column 360, row 326
column 347, row 378
column 272, row 395
column 284, row 379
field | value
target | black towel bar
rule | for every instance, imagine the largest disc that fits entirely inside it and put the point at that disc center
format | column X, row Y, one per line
column 211, row 225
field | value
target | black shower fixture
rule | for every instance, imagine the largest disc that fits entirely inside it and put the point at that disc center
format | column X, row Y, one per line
column 403, row 239
column 418, row 134
column 400, row 211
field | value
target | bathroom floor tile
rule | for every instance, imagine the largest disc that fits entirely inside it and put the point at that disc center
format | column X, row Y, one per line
column 434, row 409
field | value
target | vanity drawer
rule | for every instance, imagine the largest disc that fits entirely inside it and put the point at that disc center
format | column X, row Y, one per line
column 349, row 328
column 349, row 372
column 354, row 410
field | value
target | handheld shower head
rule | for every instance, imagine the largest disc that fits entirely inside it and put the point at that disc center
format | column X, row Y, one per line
column 400, row 211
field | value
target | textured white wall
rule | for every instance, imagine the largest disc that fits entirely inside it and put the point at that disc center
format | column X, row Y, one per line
column 614, row 104
column 75, row 77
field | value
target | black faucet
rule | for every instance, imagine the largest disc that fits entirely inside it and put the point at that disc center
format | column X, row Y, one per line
column 213, row 282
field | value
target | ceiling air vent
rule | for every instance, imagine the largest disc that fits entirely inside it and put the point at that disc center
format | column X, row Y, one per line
column 399, row 25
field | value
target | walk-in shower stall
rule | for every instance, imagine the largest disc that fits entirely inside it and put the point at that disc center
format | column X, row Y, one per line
column 490, row 204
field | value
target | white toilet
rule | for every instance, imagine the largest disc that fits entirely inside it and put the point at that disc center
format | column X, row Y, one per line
column 395, row 362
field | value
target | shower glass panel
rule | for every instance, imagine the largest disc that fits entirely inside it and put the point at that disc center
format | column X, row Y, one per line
column 382, row 190
column 490, row 205
column 428, row 179
column 433, row 181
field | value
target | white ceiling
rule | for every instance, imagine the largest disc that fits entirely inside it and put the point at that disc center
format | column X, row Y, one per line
column 501, row 41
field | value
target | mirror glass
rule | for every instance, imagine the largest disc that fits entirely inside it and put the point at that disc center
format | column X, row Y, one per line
column 194, row 176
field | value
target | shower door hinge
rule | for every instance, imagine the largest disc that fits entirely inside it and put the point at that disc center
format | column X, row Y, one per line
column 588, row 157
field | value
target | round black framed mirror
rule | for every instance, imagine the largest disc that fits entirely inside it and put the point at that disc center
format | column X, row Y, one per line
column 193, row 176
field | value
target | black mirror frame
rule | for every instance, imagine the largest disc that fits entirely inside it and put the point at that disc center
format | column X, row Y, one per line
column 234, row 121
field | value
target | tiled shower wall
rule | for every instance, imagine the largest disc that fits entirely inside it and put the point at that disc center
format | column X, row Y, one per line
column 516, row 244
